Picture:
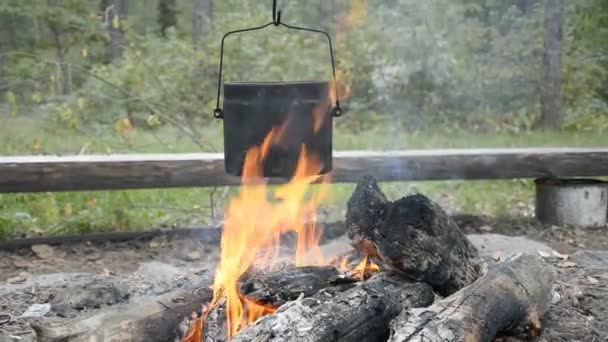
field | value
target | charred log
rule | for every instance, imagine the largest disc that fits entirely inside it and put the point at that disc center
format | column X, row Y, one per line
column 150, row 320
column 413, row 236
column 214, row 325
column 360, row 313
column 366, row 210
column 273, row 289
column 511, row 297
column 276, row 287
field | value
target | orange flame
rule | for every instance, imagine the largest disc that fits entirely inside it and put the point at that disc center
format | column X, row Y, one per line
column 343, row 266
column 254, row 223
column 365, row 267
column 342, row 84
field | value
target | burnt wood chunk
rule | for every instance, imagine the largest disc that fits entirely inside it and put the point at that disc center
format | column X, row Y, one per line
column 143, row 320
column 360, row 313
column 510, row 298
column 413, row 236
column 214, row 324
column 366, row 209
column 276, row 287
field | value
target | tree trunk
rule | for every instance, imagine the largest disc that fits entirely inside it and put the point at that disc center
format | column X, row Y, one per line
column 412, row 236
column 57, row 36
column 167, row 15
column 4, row 40
column 551, row 82
column 510, row 298
column 525, row 6
column 116, row 14
column 201, row 20
column 361, row 313
column 338, row 9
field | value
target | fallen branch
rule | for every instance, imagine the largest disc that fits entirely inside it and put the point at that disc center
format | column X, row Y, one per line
column 511, row 297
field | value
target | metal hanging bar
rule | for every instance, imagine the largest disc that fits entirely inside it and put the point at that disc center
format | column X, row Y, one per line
column 276, row 21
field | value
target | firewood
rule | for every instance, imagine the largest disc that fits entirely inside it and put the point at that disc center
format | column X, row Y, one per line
column 214, row 324
column 276, row 287
column 360, row 313
column 149, row 320
column 413, row 236
column 511, row 297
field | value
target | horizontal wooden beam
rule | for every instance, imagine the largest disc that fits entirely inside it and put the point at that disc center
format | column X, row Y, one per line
column 141, row 171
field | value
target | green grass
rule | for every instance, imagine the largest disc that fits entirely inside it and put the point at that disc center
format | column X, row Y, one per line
column 81, row 212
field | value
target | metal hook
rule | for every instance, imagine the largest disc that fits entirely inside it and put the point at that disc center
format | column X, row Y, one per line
column 276, row 16
column 276, row 21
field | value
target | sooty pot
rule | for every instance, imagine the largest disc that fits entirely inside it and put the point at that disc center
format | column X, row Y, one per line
column 300, row 110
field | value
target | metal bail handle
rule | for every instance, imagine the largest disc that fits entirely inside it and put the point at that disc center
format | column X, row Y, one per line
column 218, row 113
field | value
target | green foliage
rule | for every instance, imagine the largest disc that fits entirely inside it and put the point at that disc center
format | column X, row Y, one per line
column 406, row 61
column 453, row 73
column 157, row 81
column 43, row 39
column 436, row 60
column 590, row 117
column 586, row 57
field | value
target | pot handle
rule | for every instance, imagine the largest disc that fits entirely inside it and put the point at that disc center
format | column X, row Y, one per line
column 218, row 113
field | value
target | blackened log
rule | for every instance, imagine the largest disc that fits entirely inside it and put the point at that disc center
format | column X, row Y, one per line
column 551, row 111
column 412, row 236
column 274, row 288
column 365, row 210
column 155, row 319
column 510, row 298
column 360, row 313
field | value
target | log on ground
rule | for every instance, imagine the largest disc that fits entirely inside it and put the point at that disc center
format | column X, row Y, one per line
column 360, row 313
column 413, row 236
column 147, row 320
column 510, row 298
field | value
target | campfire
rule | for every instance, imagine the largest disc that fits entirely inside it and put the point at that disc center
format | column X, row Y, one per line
column 405, row 253
column 253, row 227
column 254, row 224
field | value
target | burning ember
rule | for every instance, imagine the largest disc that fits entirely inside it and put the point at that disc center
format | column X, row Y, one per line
column 366, row 267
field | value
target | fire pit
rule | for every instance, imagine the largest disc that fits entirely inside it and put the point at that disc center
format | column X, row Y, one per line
column 384, row 289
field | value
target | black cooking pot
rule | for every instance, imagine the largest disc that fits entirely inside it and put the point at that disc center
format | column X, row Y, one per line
column 302, row 110
column 252, row 110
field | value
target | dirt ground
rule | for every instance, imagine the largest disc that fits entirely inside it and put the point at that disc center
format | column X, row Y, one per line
column 151, row 266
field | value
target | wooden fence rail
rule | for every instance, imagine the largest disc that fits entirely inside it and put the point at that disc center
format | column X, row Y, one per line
column 140, row 171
